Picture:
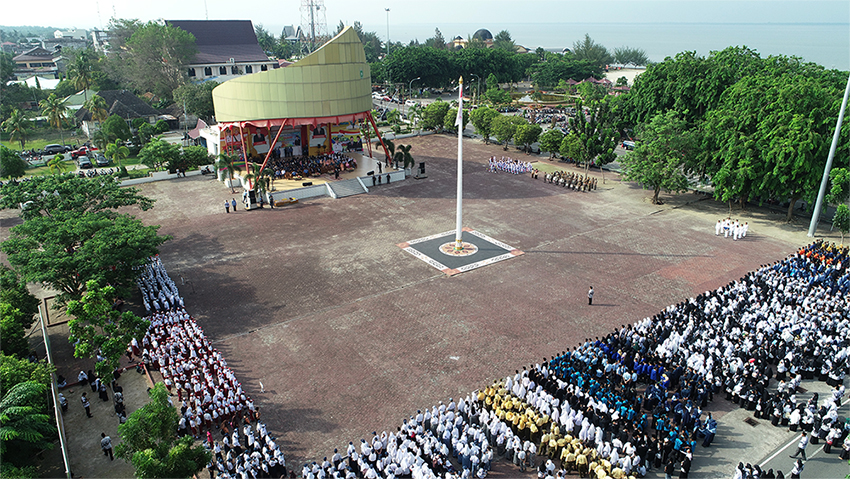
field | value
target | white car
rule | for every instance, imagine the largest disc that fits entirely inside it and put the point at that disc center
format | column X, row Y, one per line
column 410, row 103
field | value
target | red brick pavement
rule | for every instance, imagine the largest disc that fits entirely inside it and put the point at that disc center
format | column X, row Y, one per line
column 350, row 334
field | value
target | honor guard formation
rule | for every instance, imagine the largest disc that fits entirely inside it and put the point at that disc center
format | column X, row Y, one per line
column 729, row 227
column 612, row 407
column 567, row 179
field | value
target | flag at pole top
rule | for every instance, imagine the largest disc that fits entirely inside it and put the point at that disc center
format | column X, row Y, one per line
column 459, row 118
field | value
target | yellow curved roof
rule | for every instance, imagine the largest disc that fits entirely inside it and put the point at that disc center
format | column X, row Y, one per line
column 332, row 81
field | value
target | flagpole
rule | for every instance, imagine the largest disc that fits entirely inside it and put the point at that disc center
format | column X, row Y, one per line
column 459, row 121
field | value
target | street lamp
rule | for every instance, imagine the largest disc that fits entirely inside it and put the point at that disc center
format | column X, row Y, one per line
column 477, row 87
column 409, row 84
column 387, row 55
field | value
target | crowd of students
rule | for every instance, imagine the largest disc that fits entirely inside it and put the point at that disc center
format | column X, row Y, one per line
column 615, row 406
column 586, row 410
column 508, row 165
column 212, row 399
column 306, row 166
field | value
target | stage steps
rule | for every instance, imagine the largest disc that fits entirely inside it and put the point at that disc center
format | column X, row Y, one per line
column 345, row 188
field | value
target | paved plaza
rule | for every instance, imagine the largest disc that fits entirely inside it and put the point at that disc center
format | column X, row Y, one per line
column 350, row 334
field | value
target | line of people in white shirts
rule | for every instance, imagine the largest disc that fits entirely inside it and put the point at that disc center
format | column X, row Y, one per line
column 210, row 394
column 508, row 165
column 729, row 227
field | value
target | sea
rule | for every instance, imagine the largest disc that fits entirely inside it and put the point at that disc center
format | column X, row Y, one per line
column 827, row 44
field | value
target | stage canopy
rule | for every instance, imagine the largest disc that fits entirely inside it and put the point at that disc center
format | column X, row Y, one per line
column 330, row 86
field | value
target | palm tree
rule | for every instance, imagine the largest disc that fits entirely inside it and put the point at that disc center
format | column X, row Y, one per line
column 117, row 152
column 97, row 106
column 390, row 148
column 56, row 164
column 55, row 110
column 225, row 161
column 403, row 155
column 80, row 71
column 100, row 139
column 17, row 125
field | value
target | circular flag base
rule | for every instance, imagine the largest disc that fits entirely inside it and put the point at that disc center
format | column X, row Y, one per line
column 449, row 249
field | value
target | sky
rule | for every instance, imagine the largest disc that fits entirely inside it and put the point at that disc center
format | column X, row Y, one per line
column 89, row 14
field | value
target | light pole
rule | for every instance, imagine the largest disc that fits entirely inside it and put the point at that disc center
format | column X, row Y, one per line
column 409, row 84
column 477, row 88
column 387, row 55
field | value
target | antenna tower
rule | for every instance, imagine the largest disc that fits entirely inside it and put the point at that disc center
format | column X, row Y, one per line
column 314, row 24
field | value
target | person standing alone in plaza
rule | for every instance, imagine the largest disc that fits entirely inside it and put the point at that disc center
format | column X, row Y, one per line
column 590, row 296
column 86, row 404
column 106, row 445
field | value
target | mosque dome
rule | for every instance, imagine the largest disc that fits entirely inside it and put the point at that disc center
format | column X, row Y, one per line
column 483, row 35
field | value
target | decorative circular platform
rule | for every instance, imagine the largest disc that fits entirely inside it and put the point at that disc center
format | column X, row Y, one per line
column 478, row 250
column 449, row 249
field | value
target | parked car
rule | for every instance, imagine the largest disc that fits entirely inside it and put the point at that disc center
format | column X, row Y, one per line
column 84, row 162
column 101, row 160
column 81, row 151
column 410, row 103
column 55, row 148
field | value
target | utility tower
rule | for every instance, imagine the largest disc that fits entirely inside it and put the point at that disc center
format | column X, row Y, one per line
column 313, row 23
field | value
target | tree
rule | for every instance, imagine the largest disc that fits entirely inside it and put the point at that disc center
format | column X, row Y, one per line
column 99, row 329
column 25, row 428
column 116, row 128
column 194, row 156
column 149, row 441
column 96, row 105
column 11, row 328
column 437, row 41
column 68, row 249
column 159, row 152
column 81, row 71
column 551, row 141
column 156, row 57
column 17, row 126
column 225, row 162
column 434, row 115
column 14, row 291
column 839, row 190
column 403, row 156
column 658, row 161
column 69, row 193
column 596, row 134
column 771, row 133
column 527, row 134
column 265, row 39
column 197, row 98
column 117, row 151
column 841, row 220
column 503, row 41
column 482, row 120
column 592, row 52
column 504, row 127
column 14, row 371
column 56, row 164
column 11, row 164
column 55, row 110
column 630, row 56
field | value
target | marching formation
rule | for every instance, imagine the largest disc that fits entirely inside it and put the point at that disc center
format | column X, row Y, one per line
column 508, row 165
column 211, row 397
column 567, row 179
column 729, row 227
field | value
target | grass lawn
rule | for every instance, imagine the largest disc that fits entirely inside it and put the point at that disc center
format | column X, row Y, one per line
column 38, row 139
